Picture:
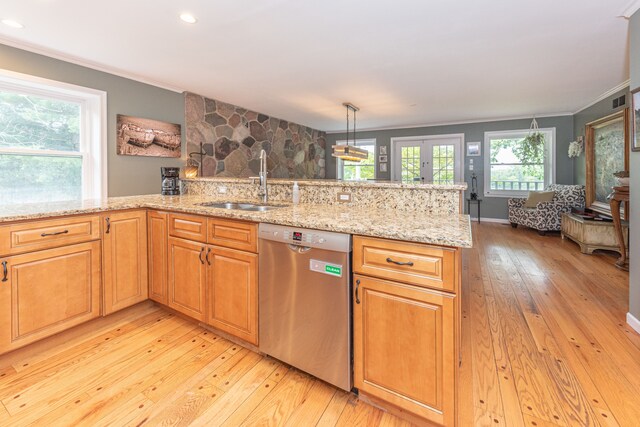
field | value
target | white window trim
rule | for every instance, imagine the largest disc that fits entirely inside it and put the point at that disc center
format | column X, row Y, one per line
column 366, row 141
column 549, row 170
column 93, row 129
column 459, row 161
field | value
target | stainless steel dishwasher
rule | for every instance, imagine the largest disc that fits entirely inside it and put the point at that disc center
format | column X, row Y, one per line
column 305, row 310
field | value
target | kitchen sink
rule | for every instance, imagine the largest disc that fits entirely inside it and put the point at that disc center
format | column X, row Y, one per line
column 242, row 206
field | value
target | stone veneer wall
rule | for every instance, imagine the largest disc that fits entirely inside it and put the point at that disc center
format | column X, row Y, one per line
column 411, row 200
column 233, row 137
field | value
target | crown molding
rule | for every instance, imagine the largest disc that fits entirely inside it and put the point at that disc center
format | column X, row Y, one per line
column 51, row 53
column 623, row 85
column 459, row 122
column 631, row 9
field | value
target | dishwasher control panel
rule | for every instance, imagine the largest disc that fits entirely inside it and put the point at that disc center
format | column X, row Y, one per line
column 305, row 237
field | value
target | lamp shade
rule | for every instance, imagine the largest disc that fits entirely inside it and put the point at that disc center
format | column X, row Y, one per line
column 191, row 171
column 350, row 152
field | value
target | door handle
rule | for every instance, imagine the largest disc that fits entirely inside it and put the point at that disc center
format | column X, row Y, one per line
column 108, row 221
column 54, row 234
column 357, row 288
column 4, row 271
column 409, row 263
column 207, row 257
column 200, row 256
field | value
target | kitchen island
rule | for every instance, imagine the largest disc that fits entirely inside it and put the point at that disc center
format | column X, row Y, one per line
column 201, row 262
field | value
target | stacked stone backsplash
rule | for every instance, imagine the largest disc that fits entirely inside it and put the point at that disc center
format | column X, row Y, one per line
column 233, row 138
column 409, row 199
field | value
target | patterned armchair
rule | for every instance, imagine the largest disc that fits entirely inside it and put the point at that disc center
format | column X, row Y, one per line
column 546, row 215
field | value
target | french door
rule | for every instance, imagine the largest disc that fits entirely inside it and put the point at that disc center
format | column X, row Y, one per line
column 434, row 160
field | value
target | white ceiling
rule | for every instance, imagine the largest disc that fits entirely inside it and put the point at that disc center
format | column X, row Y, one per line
column 403, row 62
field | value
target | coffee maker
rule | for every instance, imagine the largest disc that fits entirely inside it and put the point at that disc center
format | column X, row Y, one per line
column 170, row 181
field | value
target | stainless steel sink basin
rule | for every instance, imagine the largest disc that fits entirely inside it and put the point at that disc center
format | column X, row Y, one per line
column 241, row 206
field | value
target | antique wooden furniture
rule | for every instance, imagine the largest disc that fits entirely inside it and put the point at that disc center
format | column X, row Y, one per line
column 620, row 195
column 591, row 235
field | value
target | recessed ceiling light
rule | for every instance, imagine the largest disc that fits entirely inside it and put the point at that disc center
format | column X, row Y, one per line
column 11, row 23
column 188, row 18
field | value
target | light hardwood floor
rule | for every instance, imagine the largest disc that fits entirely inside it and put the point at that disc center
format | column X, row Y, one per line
column 544, row 343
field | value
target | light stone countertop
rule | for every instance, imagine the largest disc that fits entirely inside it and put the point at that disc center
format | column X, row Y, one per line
column 456, row 186
column 444, row 230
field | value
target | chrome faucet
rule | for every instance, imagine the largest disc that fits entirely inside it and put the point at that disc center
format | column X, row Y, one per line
column 262, row 190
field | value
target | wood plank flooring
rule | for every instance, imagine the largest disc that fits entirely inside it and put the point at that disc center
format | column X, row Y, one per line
column 544, row 343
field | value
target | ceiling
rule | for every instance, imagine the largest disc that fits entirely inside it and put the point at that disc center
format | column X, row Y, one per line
column 403, row 62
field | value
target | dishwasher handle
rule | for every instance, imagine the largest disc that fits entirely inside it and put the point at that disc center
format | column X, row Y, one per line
column 299, row 249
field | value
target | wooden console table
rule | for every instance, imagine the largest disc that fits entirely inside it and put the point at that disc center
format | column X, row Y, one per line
column 620, row 195
column 591, row 235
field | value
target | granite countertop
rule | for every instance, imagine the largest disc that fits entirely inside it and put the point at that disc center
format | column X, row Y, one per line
column 445, row 230
column 457, row 186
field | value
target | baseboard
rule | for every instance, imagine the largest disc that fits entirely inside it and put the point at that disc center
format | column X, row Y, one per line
column 633, row 322
column 498, row 220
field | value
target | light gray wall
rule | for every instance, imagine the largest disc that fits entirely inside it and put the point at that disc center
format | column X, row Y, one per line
column 127, row 175
column 596, row 111
column 492, row 207
column 634, row 168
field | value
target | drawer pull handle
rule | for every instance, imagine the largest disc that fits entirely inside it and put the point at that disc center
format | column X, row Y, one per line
column 200, row 256
column 4, row 271
column 108, row 225
column 54, row 234
column 207, row 257
column 409, row 263
column 357, row 288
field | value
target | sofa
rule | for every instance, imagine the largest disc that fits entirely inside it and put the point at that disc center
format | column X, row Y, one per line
column 546, row 215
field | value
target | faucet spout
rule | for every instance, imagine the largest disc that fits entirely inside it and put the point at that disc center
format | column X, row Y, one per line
column 263, row 177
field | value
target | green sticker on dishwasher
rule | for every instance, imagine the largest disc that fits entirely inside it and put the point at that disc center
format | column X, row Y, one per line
column 331, row 269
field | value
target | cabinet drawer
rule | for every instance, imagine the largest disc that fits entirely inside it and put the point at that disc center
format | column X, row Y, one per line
column 189, row 227
column 36, row 235
column 233, row 234
column 413, row 263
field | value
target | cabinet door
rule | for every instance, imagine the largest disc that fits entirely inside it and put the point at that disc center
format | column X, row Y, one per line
column 404, row 348
column 233, row 292
column 45, row 292
column 157, row 228
column 187, row 277
column 124, row 241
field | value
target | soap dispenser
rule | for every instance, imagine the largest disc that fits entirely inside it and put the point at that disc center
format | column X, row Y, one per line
column 296, row 193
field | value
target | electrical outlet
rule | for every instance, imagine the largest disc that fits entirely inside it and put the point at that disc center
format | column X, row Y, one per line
column 470, row 161
column 470, row 167
column 222, row 190
column 344, row 197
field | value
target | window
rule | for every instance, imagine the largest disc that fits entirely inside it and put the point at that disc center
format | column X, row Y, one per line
column 51, row 137
column 358, row 171
column 510, row 171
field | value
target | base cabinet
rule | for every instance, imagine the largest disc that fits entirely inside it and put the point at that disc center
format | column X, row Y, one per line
column 124, row 241
column 48, row 291
column 232, row 292
column 404, row 347
column 187, row 281
column 157, row 236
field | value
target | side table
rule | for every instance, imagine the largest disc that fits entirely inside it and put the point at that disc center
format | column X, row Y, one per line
column 620, row 195
column 477, row 201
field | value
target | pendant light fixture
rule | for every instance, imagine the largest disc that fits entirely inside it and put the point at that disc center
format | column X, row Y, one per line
column 193, row 168
column 346, row 151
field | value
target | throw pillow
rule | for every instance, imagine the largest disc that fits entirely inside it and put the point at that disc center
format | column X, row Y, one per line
column 536, row 197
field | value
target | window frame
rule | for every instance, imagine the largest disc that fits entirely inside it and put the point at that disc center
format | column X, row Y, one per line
column 93, row 126
column 549, row 164
column 358, row 142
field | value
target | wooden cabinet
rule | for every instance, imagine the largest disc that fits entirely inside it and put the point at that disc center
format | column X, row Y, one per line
column 404, row 347
column 157, row 248
column 406, row 319
column 124, row 241
column 191, row 227
column 48, row 291
column 187, row 277
column 233, row 234
column 36, row 235
column 232, row 292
